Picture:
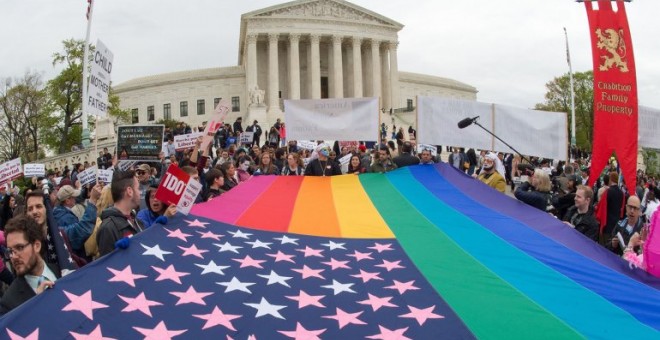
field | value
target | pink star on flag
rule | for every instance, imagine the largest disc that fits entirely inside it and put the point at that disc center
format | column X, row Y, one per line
column 345, row 318
column 178, row 234
column 247, row 261
column 309, row 272
column 33, row 336
column 421, row 315
column 389, row 265
column 160, row 332
column 217, row 317
column 334, row 264
column 196, row 223
column 386, row 334
column 96, row 334
column 140, row 303
column 192, row 250
column 303, row 334
column 280, row 256
column 361, row 256
column 82, row 303
column 311, row 251
column 376, row 302
column 169, row 274
column 191, row 296
column 305, row 300
column 367, row 276
column 381, row 247
column 402, row 287
column 210, row 234
column 125, row 275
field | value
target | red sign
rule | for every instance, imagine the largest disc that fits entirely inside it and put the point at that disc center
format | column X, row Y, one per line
column 178, row 188
column 615, row 90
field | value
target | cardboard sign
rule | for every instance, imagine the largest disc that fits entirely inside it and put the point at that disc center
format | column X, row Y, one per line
column 87, row 176
column 34, row 170
column 217, row 120
column 432, row 148
column 344, row 160
column 182, row 142
column 139, row 142
column 179, row 189
column 99, row 81
column 105, row 176
column 307, row 144
column 10, row 171
column 246, row 138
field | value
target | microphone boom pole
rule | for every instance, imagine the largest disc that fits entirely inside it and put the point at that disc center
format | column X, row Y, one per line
column 505, row 143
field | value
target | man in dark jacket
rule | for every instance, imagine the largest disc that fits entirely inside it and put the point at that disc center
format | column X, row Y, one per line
column 238, row 127
column 405, row 158
column 581, row 215
column 322, row 166
column 33, row 275
column 257, row 132
column 119, row 220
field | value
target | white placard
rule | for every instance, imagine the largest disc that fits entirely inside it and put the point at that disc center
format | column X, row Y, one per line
column 182, row 142
column 306, row 144
column 188, row 198
column 246, row 138
column 217, row 120
column 10, row 171
column 432, row 148
column 125, row 165
column 344, row 160
column 34, row 170
column 87, row 176
column 105, row 176
column 332, row 119
column 99, row 81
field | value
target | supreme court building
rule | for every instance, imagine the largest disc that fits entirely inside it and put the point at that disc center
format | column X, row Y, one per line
column 305, row 49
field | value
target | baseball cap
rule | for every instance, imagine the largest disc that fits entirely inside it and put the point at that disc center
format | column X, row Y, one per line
column 144, row 167
column 363, row 148
column 67, row 191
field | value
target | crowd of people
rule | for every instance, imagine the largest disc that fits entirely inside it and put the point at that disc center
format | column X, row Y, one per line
column 94, row 219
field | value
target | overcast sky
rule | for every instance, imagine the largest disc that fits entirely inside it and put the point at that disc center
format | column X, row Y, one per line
column 507, row 49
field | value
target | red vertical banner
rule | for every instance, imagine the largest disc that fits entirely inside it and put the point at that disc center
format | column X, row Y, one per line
column 615, row 90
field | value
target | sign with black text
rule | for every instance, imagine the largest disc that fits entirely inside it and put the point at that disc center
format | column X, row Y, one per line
column 88, row 176
column 247, row 138
column 178, row 188
column 10, row 171
column 188, row 141
column 99, row 81
column 34, row 170
column 139, row 142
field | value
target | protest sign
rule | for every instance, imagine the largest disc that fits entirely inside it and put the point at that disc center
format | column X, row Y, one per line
column 99, row 81
column 125, row 165
column 178, row 188
column 34, row 170
column 182, row 142
column 87, row 176
column 139, row 142
column 247, row 138
column 349, row 144
column 217, row 120
column 432, row 148
column 345, row 159
column 105, row 176
column 10, row 171
column 306, row 144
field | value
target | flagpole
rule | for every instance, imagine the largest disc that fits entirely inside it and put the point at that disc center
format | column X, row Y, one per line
column 570, row 74
column 85, row 128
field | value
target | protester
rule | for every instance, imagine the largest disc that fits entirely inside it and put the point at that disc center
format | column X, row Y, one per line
column 322, row 165
column 611, row 207
column 426, row 157
column 77, row 231
column 405, row 158
column 581, row 215
column 650, row 202
column 625, row 228
column 294, row 165
column 355, row 166
column 155, row 209
column 214, row 182
column 266, row 166
column 229, row 172
column 458, row 159
column 490, row 176
column 383, row 163
column 537, row 193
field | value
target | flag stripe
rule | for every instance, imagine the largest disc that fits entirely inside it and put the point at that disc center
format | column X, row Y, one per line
column 273, row 209
column 458, row 276
column 358, row 218
column 524, row 272
column 315, row 209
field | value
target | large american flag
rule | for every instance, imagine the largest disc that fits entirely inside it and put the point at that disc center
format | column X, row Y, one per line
column 196, row 278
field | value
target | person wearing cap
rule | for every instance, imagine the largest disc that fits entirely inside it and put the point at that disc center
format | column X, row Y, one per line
column 143, row 173
column 489, row 174
column 76, row 230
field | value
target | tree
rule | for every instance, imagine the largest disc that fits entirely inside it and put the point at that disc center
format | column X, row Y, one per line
column 558, row 99
column 21, row 103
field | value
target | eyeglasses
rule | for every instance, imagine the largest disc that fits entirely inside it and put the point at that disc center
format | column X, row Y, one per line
column 140, row 172
column 632, row 207
column 16, row 249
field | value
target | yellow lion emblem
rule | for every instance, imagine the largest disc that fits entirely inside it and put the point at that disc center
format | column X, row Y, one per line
column 615, row 46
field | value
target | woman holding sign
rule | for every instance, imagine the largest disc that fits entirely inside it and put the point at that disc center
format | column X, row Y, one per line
column 155, row 209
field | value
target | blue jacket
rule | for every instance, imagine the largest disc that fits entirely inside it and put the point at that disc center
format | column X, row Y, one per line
column 77, row 231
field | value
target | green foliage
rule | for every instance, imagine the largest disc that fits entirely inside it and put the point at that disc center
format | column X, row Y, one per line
column 651, row 161
column 558, row 99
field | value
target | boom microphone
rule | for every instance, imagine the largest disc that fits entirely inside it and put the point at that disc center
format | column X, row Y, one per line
column 466, row 122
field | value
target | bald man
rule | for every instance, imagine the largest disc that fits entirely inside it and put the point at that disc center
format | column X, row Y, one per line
column 628, row 226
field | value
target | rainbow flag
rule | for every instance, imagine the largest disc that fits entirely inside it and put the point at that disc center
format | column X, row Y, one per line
column 422, row 252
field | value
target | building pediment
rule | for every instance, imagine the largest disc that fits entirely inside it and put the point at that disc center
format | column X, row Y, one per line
column 324, row 9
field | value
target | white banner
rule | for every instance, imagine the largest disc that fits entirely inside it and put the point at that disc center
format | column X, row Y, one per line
column 532, row 132
column 246, row 138
column 99, row 81
column 34, row 170
column 332, row 119
column 182, row 142
column 105, row 176
column 649, row 125
column 10, row 170
column 87, row 176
